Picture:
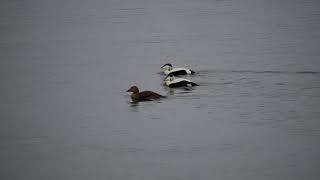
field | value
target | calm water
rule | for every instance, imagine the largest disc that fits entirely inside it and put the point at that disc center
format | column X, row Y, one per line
column 66, row 65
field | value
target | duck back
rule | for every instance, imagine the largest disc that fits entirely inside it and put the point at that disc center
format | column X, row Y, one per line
column 149, row 95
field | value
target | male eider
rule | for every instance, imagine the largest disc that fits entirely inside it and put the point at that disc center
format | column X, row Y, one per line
column 144, row 95
column 169, row 70
column 172, row 82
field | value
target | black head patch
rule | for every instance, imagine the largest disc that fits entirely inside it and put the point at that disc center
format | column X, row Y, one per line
column 168, row 64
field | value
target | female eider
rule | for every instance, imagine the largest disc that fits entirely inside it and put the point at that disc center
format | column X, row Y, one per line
column 172, row 82
column 169, row 70
column 144, row 95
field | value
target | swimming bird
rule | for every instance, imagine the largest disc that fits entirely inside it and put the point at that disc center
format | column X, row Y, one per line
column 172, row 82
column 168, row 69
column 144, row 95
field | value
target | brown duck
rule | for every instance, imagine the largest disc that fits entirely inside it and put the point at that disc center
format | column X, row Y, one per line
column 144, row 95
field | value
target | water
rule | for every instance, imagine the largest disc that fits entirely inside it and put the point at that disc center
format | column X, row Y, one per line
column 66, row 66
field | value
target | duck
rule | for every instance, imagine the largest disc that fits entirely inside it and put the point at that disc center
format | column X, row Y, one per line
column 169, row 70
column 144, row 95
column 172, row 81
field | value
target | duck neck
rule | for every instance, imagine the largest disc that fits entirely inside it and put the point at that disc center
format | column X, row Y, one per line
column 135, row 96
column 167, row 71
column 167, row 82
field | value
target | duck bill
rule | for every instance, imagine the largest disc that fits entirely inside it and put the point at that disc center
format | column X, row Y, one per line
column 129, row 90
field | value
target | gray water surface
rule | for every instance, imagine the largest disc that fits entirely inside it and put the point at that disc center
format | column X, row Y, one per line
column 65, row 67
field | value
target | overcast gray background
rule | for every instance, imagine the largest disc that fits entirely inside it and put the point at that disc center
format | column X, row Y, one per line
column 65, row 67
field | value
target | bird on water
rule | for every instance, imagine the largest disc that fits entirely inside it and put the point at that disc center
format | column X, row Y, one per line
column 144, row 95
column 168, row 69
column 172, row 81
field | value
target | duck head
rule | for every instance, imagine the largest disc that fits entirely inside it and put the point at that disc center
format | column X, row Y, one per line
column 169, row 78
column 133, row 89
column 167, row 67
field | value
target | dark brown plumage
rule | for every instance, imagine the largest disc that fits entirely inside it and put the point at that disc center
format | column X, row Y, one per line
column 144, row 95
